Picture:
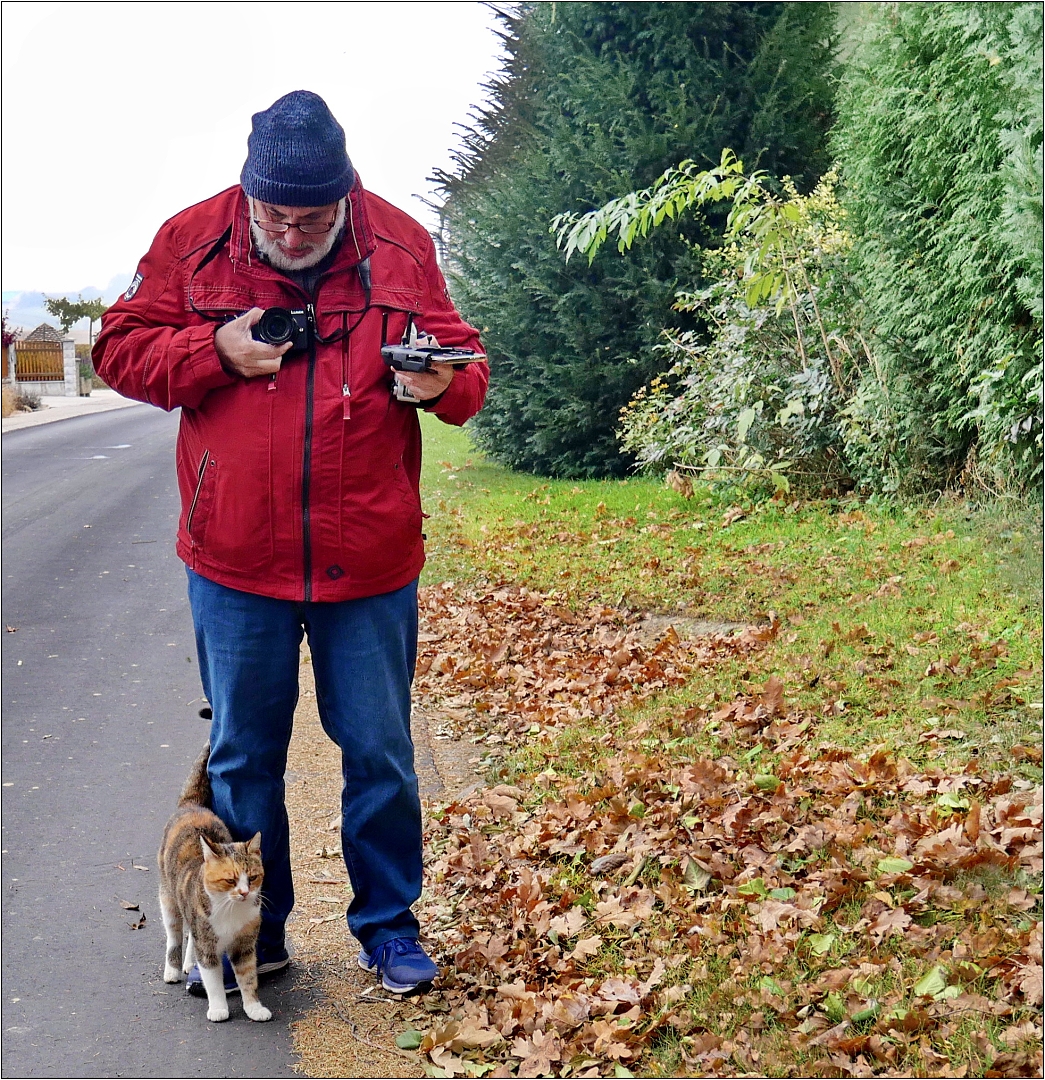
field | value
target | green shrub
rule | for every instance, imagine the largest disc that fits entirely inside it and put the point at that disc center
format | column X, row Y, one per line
column 762, row 395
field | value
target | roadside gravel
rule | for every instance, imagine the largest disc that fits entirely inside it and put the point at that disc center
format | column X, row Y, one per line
column 352, row 1030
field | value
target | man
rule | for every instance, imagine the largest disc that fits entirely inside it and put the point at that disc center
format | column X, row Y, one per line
column 299, row 475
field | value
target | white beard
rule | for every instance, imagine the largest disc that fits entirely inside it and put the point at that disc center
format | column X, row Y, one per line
column 268, row 245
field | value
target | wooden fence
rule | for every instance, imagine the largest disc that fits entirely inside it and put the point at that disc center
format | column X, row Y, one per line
column 39, row 361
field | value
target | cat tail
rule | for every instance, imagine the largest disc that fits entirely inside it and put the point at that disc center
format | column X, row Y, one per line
column 197, row 787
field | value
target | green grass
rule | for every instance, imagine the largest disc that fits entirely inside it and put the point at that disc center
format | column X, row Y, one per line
column 909, row 619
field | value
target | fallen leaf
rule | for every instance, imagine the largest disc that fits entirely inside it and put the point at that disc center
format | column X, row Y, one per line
column 891, row 921
column 932, row 983
column 695, row 876
column 1030, row 983
column 894, row 865
column 318, row 921
column 606, row 863
column 586, row 948
column 570, row 924
column 409, row 1039
column 502, row 806
column 821, row 944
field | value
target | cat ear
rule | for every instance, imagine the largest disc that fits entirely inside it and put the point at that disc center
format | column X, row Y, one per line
column 254, row 844
column 209, row 854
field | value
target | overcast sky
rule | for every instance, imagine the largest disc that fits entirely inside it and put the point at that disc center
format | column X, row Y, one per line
column 117, row 115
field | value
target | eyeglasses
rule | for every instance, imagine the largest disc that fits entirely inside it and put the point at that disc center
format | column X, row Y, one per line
column 278, row 228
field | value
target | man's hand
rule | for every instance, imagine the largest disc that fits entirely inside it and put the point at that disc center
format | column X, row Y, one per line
column 425, row 385
column 240, row 354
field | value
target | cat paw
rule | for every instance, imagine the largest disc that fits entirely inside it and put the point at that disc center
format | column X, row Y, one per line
column 171, row 974
column 256, row 1011
column 215, row 1014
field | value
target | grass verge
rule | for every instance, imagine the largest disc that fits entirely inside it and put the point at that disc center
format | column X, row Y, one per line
column 806, row 869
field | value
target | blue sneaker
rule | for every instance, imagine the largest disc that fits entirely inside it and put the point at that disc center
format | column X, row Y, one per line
column 404, row 967
column 269, row 962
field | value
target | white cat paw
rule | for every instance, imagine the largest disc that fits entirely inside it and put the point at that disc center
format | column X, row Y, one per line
column 216, row 1014
column 171, row 974
column 257, row 1011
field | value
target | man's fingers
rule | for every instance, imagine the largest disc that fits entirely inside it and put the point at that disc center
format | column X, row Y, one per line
column 240, row 354
column 426, row 385
column 259, row 350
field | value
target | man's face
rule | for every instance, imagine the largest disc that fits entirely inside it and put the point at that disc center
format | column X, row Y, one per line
column 294, row 249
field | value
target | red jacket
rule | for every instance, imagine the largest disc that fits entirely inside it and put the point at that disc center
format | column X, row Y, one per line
column 304, row 487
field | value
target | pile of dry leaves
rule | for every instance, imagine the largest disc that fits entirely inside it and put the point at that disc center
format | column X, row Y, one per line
column 521, row 662
column 784, row 908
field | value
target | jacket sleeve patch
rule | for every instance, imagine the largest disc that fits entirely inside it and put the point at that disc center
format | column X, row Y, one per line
column 134, row 286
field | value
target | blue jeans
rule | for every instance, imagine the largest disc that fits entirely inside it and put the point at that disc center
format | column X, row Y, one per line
column 363, row 654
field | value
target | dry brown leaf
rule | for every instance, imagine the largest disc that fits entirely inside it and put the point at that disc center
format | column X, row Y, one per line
column 605, row 864
column 586, row 948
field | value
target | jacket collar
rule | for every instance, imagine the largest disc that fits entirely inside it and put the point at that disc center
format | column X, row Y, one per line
column 358, row 243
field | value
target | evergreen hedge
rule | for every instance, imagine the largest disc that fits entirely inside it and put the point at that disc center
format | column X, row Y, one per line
column 940, row 143
column 597, row 99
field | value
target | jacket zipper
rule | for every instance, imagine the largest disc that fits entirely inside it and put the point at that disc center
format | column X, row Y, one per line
column 346, row 370
column 306, row 471
column 196, row 495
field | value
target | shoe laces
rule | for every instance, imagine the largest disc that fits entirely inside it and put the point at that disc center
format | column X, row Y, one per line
column 380, row 957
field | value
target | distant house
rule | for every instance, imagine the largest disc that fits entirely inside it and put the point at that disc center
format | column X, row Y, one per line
column 44, row 332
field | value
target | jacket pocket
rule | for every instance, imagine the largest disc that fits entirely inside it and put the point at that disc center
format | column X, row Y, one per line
column 196, row 519
column 230, row 518
column 380, row 519
column 410, row 496
column 191, row 520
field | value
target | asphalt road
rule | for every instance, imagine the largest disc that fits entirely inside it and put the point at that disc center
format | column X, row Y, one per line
column 101, row 700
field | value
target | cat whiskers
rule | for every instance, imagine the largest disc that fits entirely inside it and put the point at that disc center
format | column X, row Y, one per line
column 231, row 900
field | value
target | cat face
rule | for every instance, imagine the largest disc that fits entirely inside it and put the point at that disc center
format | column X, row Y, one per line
column 232, row 873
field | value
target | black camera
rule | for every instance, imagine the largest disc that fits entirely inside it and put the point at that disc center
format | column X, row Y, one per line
column 279, row 325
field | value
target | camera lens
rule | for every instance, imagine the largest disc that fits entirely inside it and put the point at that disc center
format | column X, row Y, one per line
column 275, row 326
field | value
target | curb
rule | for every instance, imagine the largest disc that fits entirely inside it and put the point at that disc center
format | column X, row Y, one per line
column 56, row 409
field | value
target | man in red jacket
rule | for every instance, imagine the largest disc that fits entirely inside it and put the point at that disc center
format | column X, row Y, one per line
column 301, row 514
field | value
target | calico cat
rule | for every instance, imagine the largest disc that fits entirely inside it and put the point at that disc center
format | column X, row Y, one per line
column 211, row 888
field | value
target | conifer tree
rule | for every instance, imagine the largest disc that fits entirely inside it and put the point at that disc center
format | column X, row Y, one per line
column 598, row 99
column 940, row 143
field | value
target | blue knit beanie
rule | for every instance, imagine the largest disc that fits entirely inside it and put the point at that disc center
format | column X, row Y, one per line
column 296, row 154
